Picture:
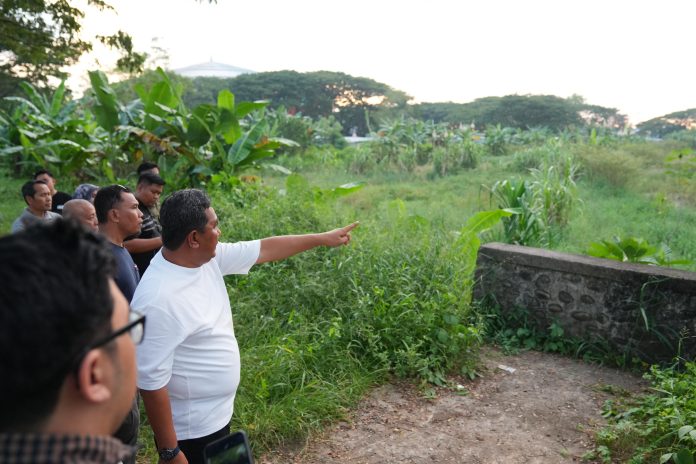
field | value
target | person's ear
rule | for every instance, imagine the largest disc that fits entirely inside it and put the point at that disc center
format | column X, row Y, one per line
column 113, row 215
column 94, row 376
column 192, row 239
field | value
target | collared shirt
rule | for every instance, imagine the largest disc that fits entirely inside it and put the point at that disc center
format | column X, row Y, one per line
column 27, row 218
column 35, row 448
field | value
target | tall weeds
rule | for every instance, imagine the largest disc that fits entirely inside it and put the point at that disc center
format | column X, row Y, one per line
column 316, row 330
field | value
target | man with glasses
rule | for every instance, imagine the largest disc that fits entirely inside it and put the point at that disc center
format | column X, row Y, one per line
column 67, row 340
column 188, row 368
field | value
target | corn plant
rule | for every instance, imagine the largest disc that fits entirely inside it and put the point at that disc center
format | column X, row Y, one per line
column 526, row 226
column 554, row 186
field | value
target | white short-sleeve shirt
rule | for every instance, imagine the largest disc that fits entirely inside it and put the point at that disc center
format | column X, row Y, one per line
column 189, row 344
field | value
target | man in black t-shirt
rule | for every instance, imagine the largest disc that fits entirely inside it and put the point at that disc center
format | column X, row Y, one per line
column 58, row 198
column 145, row 245
column 119, row 216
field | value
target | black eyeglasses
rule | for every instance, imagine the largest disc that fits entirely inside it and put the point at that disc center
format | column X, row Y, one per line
column 135, row 328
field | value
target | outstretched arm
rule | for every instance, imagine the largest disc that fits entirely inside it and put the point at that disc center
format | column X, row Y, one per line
column 284, row 246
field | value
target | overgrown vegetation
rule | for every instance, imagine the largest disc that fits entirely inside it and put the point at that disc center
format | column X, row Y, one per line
column 319, row 329
column 657, row 427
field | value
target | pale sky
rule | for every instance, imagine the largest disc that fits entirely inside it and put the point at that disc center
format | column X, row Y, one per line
column 637, row 56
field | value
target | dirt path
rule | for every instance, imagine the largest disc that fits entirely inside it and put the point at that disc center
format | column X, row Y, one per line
column 543, row 412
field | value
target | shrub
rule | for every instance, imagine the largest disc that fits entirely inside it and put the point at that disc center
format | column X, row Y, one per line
column 616, row 167
column 316, row 329
column 657, row 427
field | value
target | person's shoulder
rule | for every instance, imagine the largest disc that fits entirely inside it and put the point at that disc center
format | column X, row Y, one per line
column 62, row 196
column 18, row 224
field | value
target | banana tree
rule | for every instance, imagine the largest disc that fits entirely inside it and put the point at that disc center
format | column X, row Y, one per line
column 47, row 130
column 211, row 142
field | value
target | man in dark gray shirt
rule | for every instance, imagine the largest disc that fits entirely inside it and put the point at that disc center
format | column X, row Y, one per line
column 37, row 196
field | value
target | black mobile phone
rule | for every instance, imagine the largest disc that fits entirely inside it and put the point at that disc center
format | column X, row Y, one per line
column 232, row 449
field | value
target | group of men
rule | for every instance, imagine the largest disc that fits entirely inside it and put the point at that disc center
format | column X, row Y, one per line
column 188, row 365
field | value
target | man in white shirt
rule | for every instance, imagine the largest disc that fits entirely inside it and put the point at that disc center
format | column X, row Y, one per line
column 188, row 367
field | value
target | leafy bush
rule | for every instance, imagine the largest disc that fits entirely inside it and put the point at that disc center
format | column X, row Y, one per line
column 540, row 206
column 513, row 330
column 42, row 131
column 658, row 427
column 526, row 226
column 317, row 329
column 455, row 156
column 616, row 167
column 633, row 250
column 497, row 140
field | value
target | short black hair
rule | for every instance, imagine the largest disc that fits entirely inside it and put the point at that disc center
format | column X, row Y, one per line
column 182, row 212
column 146, row 166
column 28, row 189
column 43, row 171
column 149, row 179
column 55, row 299
column 106, row 199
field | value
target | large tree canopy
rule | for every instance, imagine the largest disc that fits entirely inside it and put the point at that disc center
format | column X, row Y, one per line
column 321, row 93
column 522, row 111
column 313, row 94
column 672, row 122
column 40, row 37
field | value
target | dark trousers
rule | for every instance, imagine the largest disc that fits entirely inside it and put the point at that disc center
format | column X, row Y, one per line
column 193, row 448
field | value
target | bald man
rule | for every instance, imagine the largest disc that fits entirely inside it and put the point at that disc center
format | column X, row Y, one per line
column 83, row 212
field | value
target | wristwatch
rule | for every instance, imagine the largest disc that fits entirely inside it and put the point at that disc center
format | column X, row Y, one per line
column 167, row 454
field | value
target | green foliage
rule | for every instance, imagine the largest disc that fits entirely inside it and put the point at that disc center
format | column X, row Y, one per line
column 211, row 143
column 554, row 187
column 526, row 226
column 49, row 131
column 683, row 137
column 304, row 131
column 497, row 140
column 633, row 250
column 523, row 112
column 38, row 39
column 656, row 427
column 513, row 330
column 668, row 124
column 616, row 167
column 682, row 162
column 319, row 94
column 455, row 157
column 317, row 329
column 541, row 205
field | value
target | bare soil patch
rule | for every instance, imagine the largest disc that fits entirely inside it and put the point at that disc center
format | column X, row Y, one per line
column 544, row 412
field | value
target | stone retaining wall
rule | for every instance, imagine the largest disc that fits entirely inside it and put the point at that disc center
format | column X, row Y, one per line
column 594, row 298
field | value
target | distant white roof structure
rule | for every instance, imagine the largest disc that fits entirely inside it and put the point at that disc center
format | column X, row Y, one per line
column 212, row 69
